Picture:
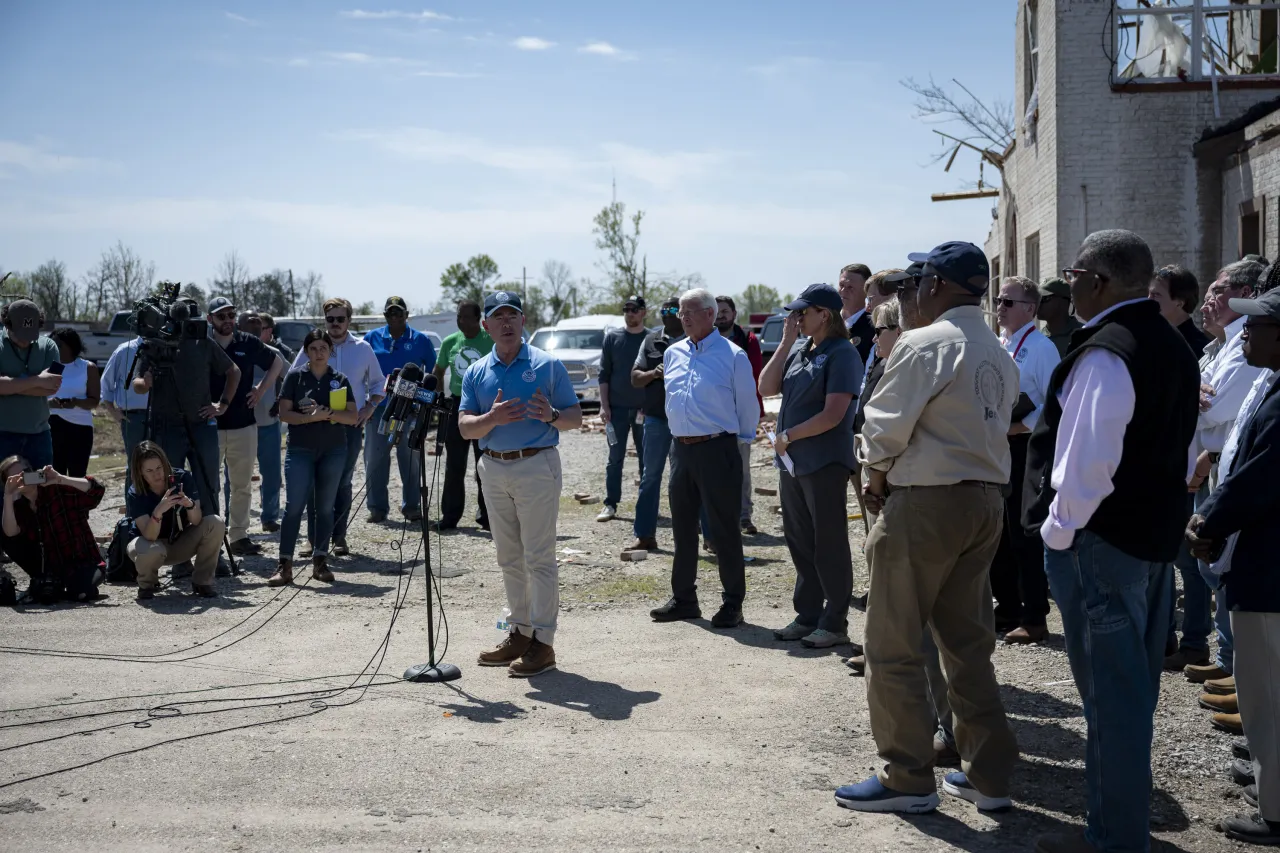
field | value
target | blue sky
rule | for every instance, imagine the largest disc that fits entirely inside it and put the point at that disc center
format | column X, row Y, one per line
column 377, row 142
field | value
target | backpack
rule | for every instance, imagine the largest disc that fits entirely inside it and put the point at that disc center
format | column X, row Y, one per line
column 120, row 569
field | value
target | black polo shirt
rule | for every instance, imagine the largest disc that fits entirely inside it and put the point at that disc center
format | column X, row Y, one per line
column 246, row 352
column 321, row 435
column 184, row 381
column 648, row 358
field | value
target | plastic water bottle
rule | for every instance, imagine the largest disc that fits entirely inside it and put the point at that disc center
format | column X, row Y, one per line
column 504, row 624
column 610, row 434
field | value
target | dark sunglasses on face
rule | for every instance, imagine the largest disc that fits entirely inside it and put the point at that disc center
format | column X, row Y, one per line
column 335, row 320
column 1009, row 303
column 631, row 309
column 889, row 328
column 670, row 312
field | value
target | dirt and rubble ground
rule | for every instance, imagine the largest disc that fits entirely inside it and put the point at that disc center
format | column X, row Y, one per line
column 648, row 737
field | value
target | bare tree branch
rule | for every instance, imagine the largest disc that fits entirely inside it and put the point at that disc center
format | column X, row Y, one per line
column 981, row 125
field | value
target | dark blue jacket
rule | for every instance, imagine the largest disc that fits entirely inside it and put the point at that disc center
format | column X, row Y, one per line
column 1248, row 501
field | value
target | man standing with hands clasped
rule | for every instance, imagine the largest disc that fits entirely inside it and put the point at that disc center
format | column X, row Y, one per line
column 515, row 401
column 621, row 402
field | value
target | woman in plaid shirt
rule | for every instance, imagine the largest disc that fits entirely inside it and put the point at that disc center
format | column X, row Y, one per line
column 46, row 531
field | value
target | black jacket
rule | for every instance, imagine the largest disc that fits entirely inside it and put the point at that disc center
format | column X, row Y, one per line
column 862, row 334
column 1248, row 502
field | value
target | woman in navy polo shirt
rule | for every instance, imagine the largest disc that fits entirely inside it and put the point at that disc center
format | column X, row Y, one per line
column 316, row 402
column 819, row 376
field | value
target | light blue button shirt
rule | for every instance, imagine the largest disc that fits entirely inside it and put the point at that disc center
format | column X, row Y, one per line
column 710, row 388
column 531, row 370
column 117, row 384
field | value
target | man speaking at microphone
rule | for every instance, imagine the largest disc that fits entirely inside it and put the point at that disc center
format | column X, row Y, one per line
column 515, row 401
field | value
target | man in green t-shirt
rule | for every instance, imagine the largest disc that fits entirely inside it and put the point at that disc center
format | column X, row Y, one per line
column 458, row 352
column 26, row 383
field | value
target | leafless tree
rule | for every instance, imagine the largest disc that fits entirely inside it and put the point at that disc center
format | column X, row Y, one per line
column 54, row 291
column 974, row 121
column 308, row 294
column 232, row 280
column 119, row 279
column 558, row 289
column 96, row 287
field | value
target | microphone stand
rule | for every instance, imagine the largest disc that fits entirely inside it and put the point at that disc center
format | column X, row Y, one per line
column 433, row 671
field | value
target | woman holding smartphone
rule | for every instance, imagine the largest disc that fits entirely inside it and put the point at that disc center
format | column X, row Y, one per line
column 316, row 402
column 71, row 407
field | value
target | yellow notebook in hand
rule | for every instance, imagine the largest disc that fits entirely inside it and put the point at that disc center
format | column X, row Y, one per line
column 337, row 401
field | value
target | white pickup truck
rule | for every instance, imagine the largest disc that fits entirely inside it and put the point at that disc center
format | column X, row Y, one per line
column 98, row 346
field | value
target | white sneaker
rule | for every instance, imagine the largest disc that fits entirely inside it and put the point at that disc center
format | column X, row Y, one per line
column 607, row 514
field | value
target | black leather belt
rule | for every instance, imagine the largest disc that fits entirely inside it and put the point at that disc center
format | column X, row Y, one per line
column 699, row 439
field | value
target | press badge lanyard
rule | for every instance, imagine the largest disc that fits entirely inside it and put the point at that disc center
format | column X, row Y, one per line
column 1025, row 335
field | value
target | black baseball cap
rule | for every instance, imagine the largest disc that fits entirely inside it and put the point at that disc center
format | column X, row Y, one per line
column 958, row 262
column 636, row 301
column 817, row 296
column 395, row 302
column 1266, row 305
column 913, row 271
column 502, row 299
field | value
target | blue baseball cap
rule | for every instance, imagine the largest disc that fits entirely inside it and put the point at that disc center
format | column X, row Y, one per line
column 502, row 299
column 959, row 262
column 817, row 296
column 219, row 303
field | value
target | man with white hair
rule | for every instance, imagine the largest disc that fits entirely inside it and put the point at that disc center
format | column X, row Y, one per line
column 711, row 406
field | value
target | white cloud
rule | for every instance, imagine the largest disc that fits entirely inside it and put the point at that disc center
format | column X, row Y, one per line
column 424, row 15
column 602, row 48
column 241, row 19
column 532, row 43
column 38, row 160
column 435, row 146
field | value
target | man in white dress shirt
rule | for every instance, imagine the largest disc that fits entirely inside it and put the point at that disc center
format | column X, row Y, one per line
column 1106, row 487
column 1017, row 572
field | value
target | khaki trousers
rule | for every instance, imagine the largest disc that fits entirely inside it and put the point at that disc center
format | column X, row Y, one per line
column 203, row 541
column 238, row 450
column 1257, row 674
column 929, row 553
column 522, row 497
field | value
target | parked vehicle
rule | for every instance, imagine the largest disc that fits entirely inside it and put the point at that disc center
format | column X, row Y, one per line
column 771, row 335
column 579, row 344
column 98, row 346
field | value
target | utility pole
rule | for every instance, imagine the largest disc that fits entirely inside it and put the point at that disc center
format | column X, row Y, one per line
column 293, row 301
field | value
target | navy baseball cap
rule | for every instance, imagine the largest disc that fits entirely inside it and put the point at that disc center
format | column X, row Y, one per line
column 959, row 262
column 913, row 271
column 219, row 303
column 502, row 299
column 817, row 296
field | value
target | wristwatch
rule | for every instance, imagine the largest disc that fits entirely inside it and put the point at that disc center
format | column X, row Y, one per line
column 555, row 415
column 785, row 438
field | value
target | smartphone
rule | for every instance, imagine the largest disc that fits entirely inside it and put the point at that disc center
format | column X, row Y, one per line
column 174, row 482
column 57, row 367
column 33, row 478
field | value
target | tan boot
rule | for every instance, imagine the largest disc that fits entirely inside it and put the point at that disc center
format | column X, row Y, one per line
column 284, row 573
column 320, row 571
column 1220, row 704
column 538, row 658
column 511, row 649
column 1228, row 723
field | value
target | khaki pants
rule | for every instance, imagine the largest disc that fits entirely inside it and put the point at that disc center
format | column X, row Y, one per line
column 238, row 450
column 202, row 542
column 1257, row 674
column 522, row 497
column 929, row 553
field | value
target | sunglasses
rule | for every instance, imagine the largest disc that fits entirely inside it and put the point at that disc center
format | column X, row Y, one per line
column 335, row 320
column 394, row 312
column 889, row 328
column 632, row 309
column 1009, row 303
column 669, row 312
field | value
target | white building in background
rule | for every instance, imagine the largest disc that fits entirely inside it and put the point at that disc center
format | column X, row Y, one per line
column 1161, row 117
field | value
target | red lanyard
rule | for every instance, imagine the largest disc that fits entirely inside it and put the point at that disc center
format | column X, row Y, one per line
column 1025, row 335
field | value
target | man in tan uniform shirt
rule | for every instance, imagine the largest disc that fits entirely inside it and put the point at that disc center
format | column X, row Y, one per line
column 937, row 452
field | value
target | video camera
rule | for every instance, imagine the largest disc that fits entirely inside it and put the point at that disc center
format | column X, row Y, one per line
column 164, row 320
column 412, row 398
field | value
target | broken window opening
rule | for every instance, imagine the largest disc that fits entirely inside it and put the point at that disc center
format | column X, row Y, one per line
column 1165, row 41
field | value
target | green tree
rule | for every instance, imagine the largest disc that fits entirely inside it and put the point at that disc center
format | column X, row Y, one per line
column 196, row 292
column 467, row 281
column 625, row 266
column 365, row 308
column 758, row 298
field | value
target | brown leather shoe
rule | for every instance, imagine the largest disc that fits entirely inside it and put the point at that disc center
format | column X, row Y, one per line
column 857, row 663
column 511, row 649
column 1183, row 658
column 538, row 658
column 1228, row 723
column 1201, row 674
column 320, row 571
column 1221, row 686
column 644, row 543
column 1222, row 704
column 284, row 573
column 1026, row 635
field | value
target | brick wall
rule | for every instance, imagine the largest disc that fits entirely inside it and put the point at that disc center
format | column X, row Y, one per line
column 1253, row 173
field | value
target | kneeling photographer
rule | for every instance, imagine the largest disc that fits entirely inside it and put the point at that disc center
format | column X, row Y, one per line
column 45, row 530
column 169, row 526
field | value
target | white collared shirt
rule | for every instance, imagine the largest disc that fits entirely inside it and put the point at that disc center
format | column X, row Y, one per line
column 357, row 361
column 848, row 324
column 1097, row 400
column 1252, row 402
column 1036, row 357
column 1230, row 377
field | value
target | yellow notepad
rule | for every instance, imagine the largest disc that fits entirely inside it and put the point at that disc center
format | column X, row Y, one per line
column 337, row 401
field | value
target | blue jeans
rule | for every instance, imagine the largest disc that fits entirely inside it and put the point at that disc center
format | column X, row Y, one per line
column 1197, row 621
column 133, row 427
column 311, row 477
column 37, row 447
column 1226, row 657
column 624, row 423
column 197, row 452
column 342, row 503
column 269, row 467
column 657, row 444
column 1115, row 611
column 377, row 470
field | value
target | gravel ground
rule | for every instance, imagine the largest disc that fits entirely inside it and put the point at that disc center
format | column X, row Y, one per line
column 649, row 737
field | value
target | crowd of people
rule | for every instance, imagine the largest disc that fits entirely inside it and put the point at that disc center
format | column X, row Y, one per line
column 1099, row 440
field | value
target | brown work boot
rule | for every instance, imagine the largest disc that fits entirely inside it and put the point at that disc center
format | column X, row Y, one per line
column 319, row 570
column 1221, row 704
column 538, row 658
column 644, row 543
column 284, row 573
column 1183, row 658
column 1026, row 635
column 511, row 649
column 1221, row 686
column 1228, row 723
column 1201, row 674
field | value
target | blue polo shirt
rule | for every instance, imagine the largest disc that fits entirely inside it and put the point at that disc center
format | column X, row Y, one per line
column 413, row 346
column 531, row 370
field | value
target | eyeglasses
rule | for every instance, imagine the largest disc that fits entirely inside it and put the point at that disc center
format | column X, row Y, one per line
column 335, row 320
column 1254, row 323
column 685, row 315
column 633, row 309
column 889, row 328
column 1070, row 275
column 1009, row 303
column 394, row 312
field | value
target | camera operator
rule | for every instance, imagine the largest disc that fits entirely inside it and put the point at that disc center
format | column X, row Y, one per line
column 45, row 530
column 183, row 418
column 26, row 382
column 237, row 427
column 267, row 415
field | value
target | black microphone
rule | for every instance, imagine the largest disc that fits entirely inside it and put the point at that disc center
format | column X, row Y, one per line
column 426, row 401
column 403, row 398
